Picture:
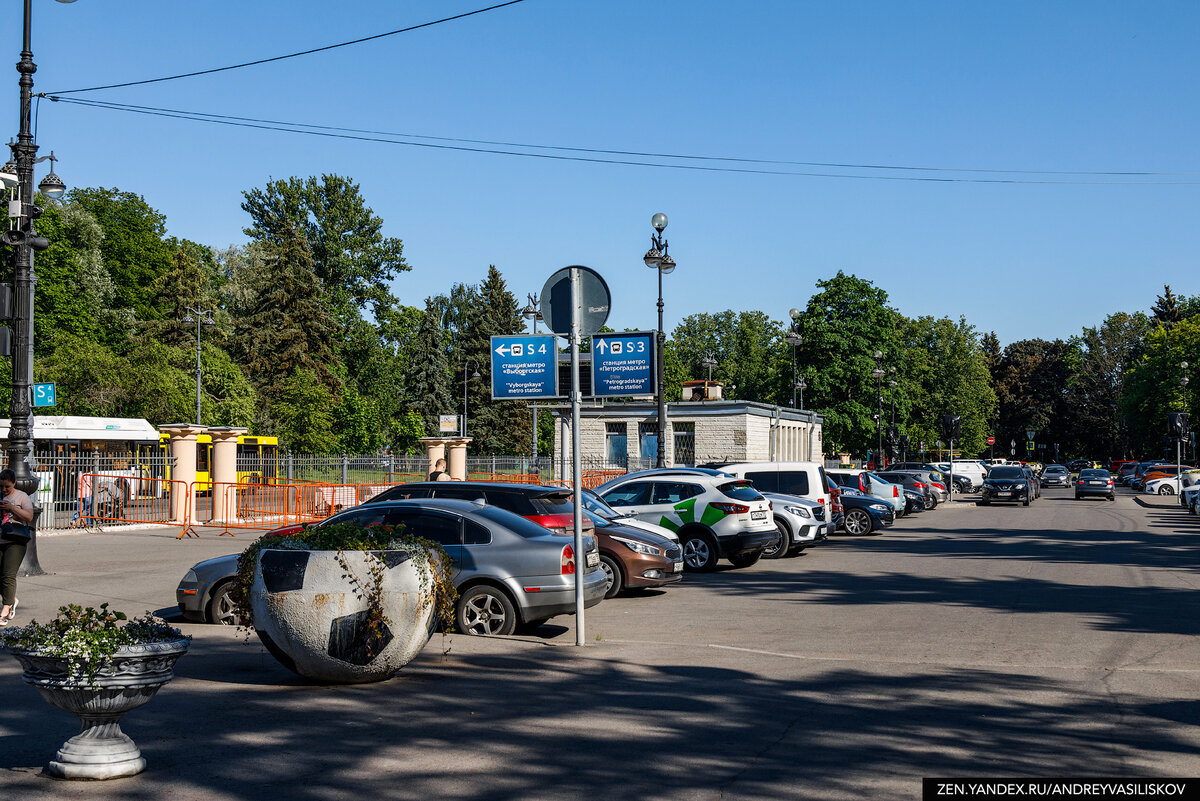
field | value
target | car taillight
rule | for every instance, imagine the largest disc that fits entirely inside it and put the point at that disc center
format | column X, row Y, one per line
column 1081, row 482
column 895, row 492
column 558, row 523
column 568, row 560
column 919, row 484
column 730, row 508
column 1109, row 482
column 942, row 487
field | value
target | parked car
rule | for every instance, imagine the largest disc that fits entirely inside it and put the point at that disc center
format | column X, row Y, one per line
column 967, row 476
column 547, row 506
column 799, row 523
column 1093, row 482
column 1056, row 475
column 1075, row 465
column 865, row 514
column 596, row 505
column 939, row 477
column 804, row 479
column 1007, row 483
column 715, row 516
column 913, row 481
column 1034, row 483
column 1139, row 471
column 1126, row 473
column 633, row 559
column 871, row 484
column 914, row 501
column 509, row 571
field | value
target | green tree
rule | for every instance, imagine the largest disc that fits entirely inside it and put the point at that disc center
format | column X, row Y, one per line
column 302, row 409
column 351, row 257
column 429, row 379
column 1153, row 385
column 748, row 347
column 843, row 325
column 1166, row 309
column 1106, row 354
column 495, row 426
column 1032, row 392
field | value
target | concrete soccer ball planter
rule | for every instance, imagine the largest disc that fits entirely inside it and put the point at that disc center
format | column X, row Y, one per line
column 342, row 617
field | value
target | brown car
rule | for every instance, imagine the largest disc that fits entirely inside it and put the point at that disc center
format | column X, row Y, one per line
column 635, row 559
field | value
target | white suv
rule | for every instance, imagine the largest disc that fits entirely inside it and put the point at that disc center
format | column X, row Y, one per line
column 714, row 516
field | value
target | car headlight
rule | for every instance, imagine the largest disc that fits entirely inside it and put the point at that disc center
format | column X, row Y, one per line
column 639, row 547
column 191, row 576
column 1020, row 485
column 879, row 507
column 799, row 511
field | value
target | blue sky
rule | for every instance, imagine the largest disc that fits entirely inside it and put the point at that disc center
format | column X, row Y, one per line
column 1071, row 86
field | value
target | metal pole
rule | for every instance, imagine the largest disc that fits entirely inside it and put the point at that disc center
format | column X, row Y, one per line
column 662, row 399
column 576, row 463
column 535, row 412
column 794, row 376
column 464, row 422
column 198, row 372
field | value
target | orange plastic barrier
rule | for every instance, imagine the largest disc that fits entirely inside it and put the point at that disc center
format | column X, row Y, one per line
column 253, row 506
column 594, row 478
column 111, row 499
column 319, row 501
column 505, row 478
column 367, row 491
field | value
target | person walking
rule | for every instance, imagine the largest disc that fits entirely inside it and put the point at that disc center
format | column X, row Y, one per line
column 15, row 508
column 439, row 471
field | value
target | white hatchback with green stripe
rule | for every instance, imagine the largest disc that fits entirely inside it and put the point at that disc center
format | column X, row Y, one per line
column 714, row 516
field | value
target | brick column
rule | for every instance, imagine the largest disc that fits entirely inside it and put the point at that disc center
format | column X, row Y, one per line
column 435, row 448
column 183, row 448
column 457, row 461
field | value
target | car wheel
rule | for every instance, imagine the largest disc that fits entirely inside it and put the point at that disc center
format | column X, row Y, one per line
column 778, row 547
column 699, row 552
column 221, row 609
column 858, row 522
column 485, row 610
column 1025, row 500
column 1166, row 489
column 745, row 559
column 614, row 579
column 1112, row 498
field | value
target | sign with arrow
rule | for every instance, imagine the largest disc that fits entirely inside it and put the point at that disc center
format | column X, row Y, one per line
column 623, row 364
column 524, row 367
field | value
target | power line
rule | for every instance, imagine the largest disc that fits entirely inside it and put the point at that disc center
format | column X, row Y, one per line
column 393, row 139
column 291, row 55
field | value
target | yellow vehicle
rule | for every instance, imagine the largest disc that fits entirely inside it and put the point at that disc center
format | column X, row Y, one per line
column 257, row 458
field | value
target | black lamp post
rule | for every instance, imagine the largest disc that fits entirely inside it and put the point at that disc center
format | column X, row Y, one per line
column 795, row 340
column 532, row 313
column 23, row 239
column 657, row 257
column 878, row 372
column 205, row 317
column 475, row 375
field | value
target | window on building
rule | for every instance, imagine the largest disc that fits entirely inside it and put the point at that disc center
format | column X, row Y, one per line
column 648, row 440
column 616, row 451
column 685, row 444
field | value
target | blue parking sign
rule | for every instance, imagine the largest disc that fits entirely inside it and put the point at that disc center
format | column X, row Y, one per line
column 43, row 395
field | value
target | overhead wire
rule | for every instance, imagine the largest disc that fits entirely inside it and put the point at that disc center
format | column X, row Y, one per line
column 290, row 55
column 469, row 145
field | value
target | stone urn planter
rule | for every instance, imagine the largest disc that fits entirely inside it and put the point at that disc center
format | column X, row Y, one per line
column 101, row 683
column 342, row 617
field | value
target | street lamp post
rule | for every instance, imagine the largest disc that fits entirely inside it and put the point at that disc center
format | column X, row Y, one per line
column 532, row 313
column 470, row 365
column 205, row 317
column 878, row 373
column 709, row 361
column 23, row 239
column 1183, row 382
column 795, row 340
column 657, row 257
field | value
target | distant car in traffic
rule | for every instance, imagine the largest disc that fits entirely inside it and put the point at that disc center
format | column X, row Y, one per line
column 1007, row 483
column 1095, row 483
column 1056, row 475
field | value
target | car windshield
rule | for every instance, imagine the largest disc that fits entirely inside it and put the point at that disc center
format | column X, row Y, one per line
column 741, row 491
column 593, row 503
column 1056, row 468
column 1005, row 472
column 1093, row 474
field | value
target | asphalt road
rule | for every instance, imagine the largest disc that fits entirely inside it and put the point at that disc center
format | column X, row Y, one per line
column 1053, row 640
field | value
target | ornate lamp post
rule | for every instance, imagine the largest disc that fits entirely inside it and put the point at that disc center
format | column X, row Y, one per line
column 709, row 361
column 795, row 340
column 657, row 257
column 23, row 239
column 532, row 313
column 878, row 373
column 470, row 365
column 205, row 317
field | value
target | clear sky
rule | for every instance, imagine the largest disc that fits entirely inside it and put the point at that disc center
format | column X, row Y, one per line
column 1021, row 86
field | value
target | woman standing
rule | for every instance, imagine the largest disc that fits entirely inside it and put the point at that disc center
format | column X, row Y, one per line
column 16, row 508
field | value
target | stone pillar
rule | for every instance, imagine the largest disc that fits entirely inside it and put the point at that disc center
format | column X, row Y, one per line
column 183, row 474
column 224, row 469
column 457, row 460
column 435, row 448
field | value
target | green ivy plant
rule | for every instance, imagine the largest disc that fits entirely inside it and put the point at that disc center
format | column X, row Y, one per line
column 88, row 638
column 431, row 561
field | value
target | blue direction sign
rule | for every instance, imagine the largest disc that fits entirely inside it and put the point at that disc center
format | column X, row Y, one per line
column 524, row 367
column 623, row 364
column 43, row 394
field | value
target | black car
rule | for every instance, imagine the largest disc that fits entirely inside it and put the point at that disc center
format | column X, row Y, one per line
column 1007, row 482
column 1095, row 483
column 1075, row 465
column 865, row 514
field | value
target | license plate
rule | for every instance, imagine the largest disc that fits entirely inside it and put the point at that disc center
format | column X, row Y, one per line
column 1003, row 494
column 1094, row 483
column 593, row 559
column 758, row 515
column 678, row 568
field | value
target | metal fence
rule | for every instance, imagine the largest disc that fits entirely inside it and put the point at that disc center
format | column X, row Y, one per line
column 67, row 483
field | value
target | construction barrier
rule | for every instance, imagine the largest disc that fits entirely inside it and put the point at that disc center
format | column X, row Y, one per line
column 505, row 478
column 105, row 499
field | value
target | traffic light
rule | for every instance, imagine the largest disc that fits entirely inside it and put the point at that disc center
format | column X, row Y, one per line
column 1177, row 424
column 952, row 426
